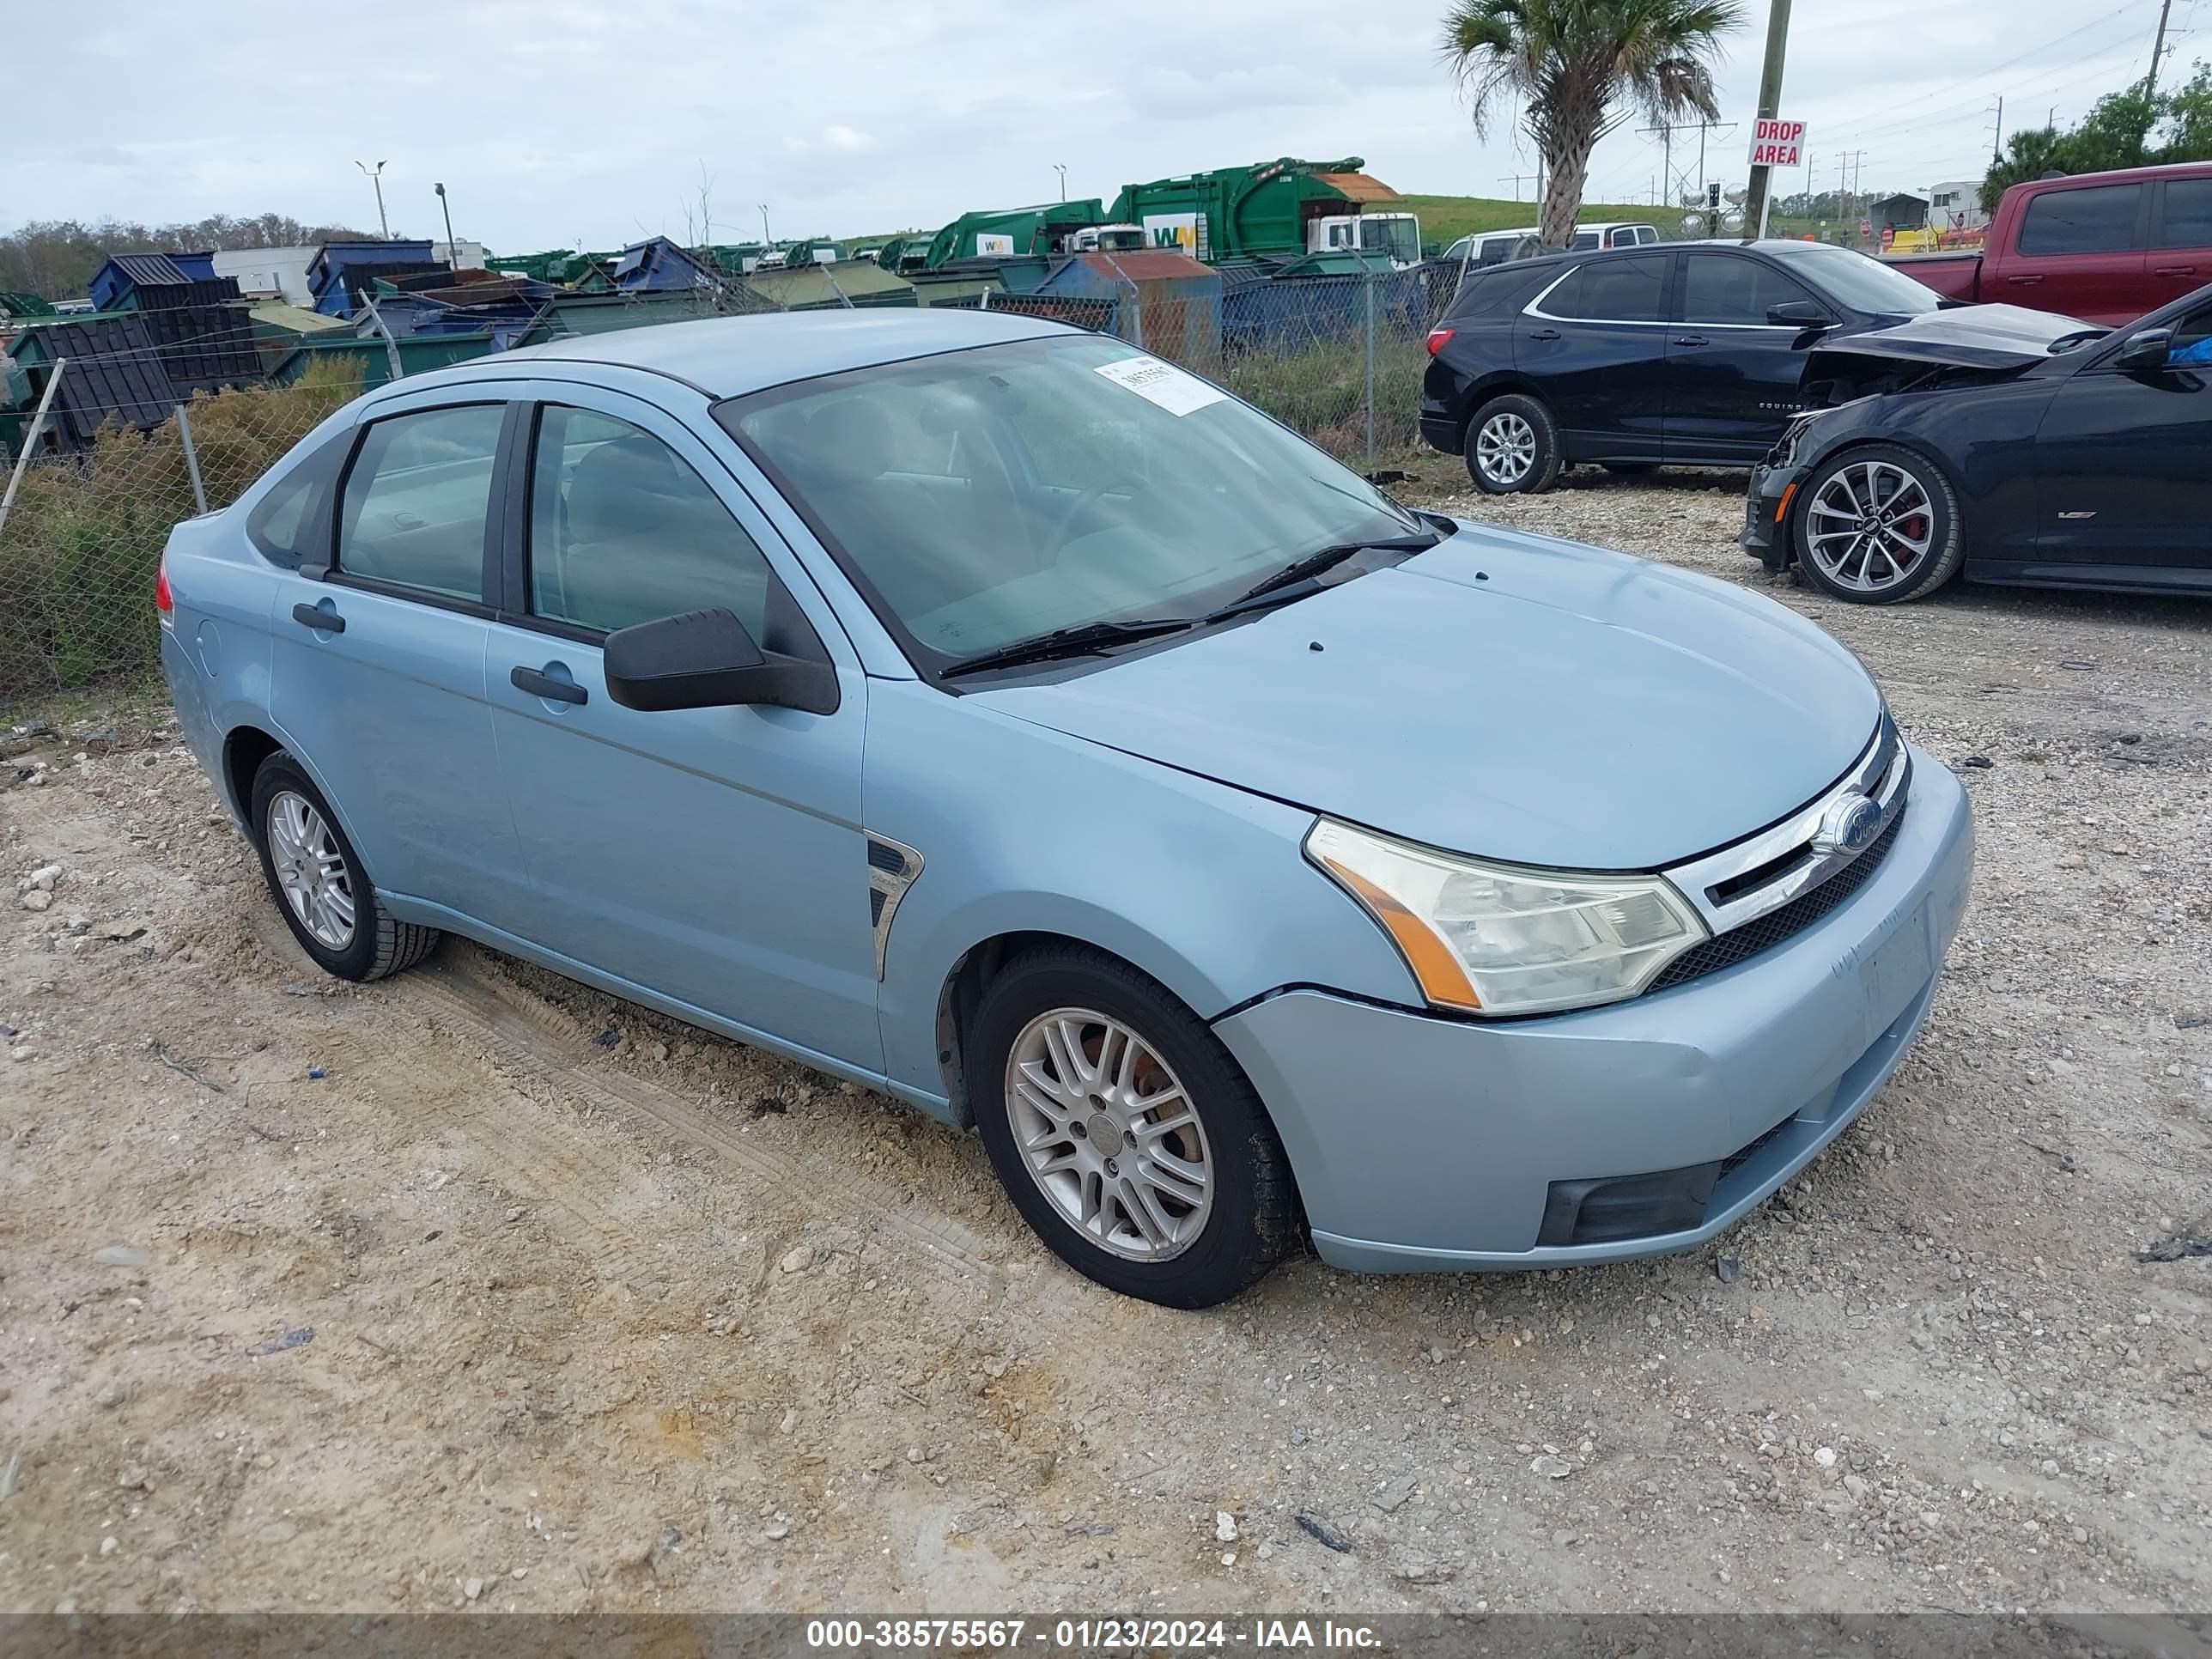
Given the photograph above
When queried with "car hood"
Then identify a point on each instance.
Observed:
(1504, 695)
(1962, 337)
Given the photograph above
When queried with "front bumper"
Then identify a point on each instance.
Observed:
(1422, 1143)
(1766, 510)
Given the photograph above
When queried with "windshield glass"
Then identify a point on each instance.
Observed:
(1400, 238)
(1856, 280)
(984, 497)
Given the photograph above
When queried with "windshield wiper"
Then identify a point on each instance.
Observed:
(1315, 564)
(1082, 639)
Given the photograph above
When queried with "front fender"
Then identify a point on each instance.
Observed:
(1026, 829)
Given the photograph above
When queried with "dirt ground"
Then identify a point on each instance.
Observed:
(477, 1289)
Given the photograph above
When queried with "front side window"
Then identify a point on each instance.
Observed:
(1723, 288)
(986, 497)
(1612, 291)
(416, 500)
(623, 532)
(2098, 219)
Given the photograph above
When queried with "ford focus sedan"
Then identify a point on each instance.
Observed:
(988, 712)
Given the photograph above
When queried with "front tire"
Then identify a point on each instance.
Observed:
(1123, 1131)
(1512, 446)
(1878, 525)
(316, 879)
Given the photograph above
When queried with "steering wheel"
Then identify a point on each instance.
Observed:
(1088, 502)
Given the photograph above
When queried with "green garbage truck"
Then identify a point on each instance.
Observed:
(1283, 209)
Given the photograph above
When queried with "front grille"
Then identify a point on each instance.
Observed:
(1763, 933)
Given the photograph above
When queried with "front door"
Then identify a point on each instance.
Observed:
(1594, 345)
(2121, 468)
(377, 678)
(1733, 380)
(712, 856)
(2080, 253)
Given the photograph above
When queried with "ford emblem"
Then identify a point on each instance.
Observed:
(1850, 825)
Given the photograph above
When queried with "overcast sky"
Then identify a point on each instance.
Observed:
(558, 123)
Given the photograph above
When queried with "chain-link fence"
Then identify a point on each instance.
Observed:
(1339, 358)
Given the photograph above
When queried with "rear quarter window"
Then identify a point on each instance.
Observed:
(290, 525)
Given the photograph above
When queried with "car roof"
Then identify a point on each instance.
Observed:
(730, 356)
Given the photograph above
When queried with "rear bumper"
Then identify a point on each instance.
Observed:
(1440, 430)
(1766, 505)
(1428, 1144)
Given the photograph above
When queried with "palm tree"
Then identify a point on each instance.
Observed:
(1570, 61)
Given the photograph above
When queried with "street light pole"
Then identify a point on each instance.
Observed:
(764, 237)
(453, 252)
(376, 178)
(1060, 167)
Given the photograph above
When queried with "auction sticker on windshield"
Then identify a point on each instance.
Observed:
(1163, 384)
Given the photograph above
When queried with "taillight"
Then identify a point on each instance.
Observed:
(1438, 336)
(164, 604)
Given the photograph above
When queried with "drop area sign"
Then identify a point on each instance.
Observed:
(1776, 143)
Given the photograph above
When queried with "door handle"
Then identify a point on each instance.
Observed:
(1545, 334)
(2175, 270)
(544, 685)
(2023, 282)
(1692, 339)
(322, 621)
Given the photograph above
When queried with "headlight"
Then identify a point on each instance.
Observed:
(1497, 938)
(1785, 452)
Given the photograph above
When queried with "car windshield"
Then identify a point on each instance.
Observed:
(1400, 238)
(986, 497)
(1859, 281)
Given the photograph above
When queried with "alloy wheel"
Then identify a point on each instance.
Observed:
(1870, 527)
(1105, 1129)
(310, 869)
(1505, 448)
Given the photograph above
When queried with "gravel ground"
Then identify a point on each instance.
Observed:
(478, 1289)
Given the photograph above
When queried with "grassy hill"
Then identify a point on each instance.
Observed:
(1446, 218)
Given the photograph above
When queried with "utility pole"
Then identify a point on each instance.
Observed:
(1515, 178)
(452, 254)
(2157, 48)
(1770, 105)
(376, 178)
(1997, 145)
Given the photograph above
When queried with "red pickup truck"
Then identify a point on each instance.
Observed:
(2103, 246)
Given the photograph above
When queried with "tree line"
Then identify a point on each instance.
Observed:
(55, 258)
(2131, 128)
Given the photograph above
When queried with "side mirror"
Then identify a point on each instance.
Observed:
(1799, 313)
(706, 660)
(2147, 349)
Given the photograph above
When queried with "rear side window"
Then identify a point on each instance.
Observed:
(2097, 219)
(1722, 288)
(2187, 220)
(1629, 290)
(623, 532)
(416, 500)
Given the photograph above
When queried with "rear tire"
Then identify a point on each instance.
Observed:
(1157, 1173)
(1512, 446)
(1878, 525)
(317, 880)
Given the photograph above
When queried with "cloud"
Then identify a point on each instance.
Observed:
(555, 120)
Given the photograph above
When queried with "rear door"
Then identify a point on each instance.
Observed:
(1734, 380)
(2180, 240)
(2081, 253)
(377, 676)
(1594, 345)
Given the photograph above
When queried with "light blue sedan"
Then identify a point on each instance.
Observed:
(991, 714)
